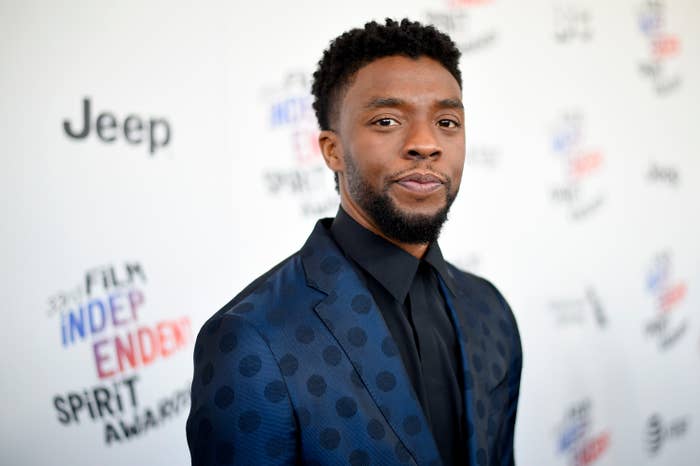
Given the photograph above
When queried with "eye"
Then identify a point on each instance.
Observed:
(385, 122)
(448, 123)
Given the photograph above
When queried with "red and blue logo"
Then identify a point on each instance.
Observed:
(581, 163)
(577, 440)
(103, 315)
(662, 45)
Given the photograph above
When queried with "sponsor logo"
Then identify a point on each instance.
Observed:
(582, 165)
(300, 173)
(103, 316)
(574, 310)
(667, 294)
(457, 20)
(667, 175)
(577, 440)
(658, 432)
(663, 47)
(153, 133)
(572, 23)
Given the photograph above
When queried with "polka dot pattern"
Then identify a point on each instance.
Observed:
(386, 381)
(329, 439)
(401, 453)
(253, 380)
(316, 385)
(250, 365)
(361, 304)
(389, 347)
(304, 334)
(357, 336)
(228, 342)
(275, 391)
(375, 429)
(249, 421)
(224, 397)
(359, 458)
(332, 355)
(346, 407)
(288, 365)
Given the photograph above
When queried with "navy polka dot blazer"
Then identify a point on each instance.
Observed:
(300, 368)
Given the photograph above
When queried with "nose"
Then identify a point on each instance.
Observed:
(421, 141)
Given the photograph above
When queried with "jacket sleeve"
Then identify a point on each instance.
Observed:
(240, 412)
(507, 428)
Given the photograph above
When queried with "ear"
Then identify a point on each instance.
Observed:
(332, 150)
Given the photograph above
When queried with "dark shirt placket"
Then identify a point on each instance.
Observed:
(407, 292)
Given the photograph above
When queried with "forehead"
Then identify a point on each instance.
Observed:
(414, 80)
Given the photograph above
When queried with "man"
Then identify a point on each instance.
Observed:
(366, 347)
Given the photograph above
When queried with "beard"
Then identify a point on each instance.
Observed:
(399, 225)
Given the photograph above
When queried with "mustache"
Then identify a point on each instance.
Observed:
(427, 173)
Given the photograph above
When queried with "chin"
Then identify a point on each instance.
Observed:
(420, 208)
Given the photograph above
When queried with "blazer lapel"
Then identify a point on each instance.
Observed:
(480, 372)
(353, 317)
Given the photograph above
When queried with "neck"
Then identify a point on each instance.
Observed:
(416, 250)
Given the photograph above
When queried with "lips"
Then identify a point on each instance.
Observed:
(420, 182)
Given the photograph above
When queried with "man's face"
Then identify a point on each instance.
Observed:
(400, 130)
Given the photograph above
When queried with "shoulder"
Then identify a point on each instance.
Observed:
(265, 292)
(488, 298)
(237, 384)
(475, 285)
(287, 284)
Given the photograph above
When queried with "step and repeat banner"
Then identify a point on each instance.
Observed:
(158, 156)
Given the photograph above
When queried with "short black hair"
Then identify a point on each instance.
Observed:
(358, 47)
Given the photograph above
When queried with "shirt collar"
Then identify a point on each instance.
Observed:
(433, 256)
(387, 263)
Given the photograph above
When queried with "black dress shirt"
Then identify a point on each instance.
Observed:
(407, 292)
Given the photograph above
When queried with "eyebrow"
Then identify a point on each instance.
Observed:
(450, 103)
(380, 102)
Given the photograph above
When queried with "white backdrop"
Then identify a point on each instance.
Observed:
(198, 171)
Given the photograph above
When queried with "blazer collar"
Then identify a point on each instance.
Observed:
(350, 313)
(482, 370)
(349, 306)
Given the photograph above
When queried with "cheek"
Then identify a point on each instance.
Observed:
(455, 155)
(457, 179)
(372, 153)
